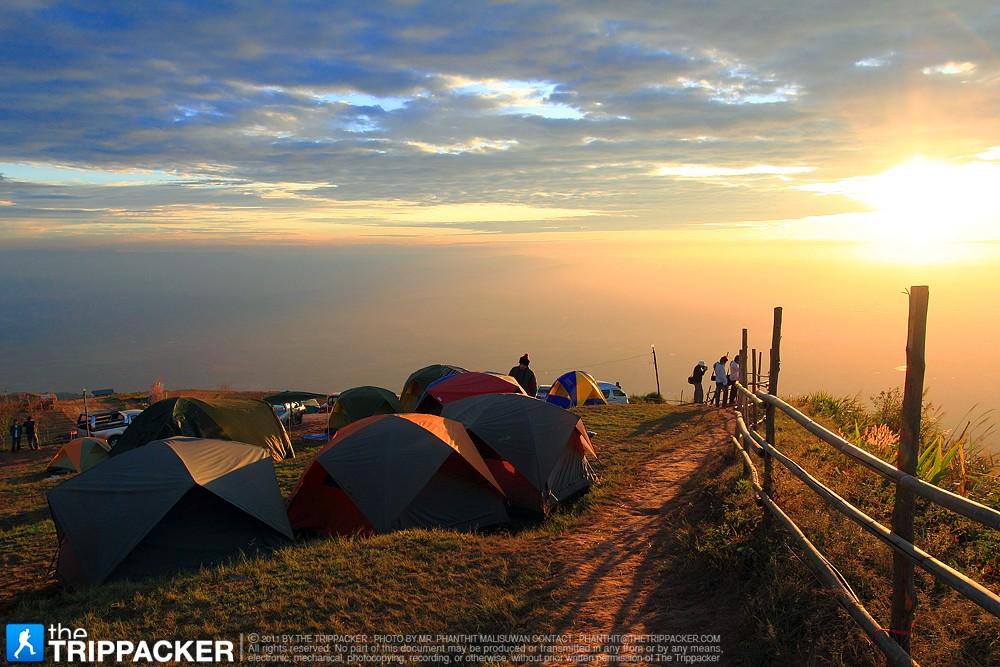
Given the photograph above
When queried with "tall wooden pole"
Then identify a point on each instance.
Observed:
(743, 377)
(904, 593)
(656, 370)
(754, 377)
(772, 388)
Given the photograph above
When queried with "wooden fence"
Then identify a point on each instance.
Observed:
(755, 406)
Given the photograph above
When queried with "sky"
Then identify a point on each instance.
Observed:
(280, 122)
(318, 195)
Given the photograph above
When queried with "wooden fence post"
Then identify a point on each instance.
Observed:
(772, 388)
(904, 593)
(741, 399)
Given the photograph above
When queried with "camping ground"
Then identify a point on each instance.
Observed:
(669, 541)
(564, 575)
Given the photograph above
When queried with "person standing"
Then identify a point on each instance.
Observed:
(28, 428)
(524, 375)
(719, 375)
(15, 435)
(697, 375)
(734, 377)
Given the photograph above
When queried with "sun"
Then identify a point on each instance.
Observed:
(925, 202)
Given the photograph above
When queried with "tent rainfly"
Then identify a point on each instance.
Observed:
(456, 387)
(575, 388)
(536, 451)
(237, 419)
(360, 402)
(415, 385)
(79, 455)
(390, 472)
(166, 506)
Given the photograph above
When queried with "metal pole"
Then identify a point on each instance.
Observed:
(656, 370)
(904, 593)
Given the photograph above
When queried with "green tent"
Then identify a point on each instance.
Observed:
(418, 381)
(238, 419)
(361, 402)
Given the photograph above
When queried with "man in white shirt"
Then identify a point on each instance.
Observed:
(734, 377)
(719, 375)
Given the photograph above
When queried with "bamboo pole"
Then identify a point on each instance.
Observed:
(904, 592)
(967, 508)
(829, 577)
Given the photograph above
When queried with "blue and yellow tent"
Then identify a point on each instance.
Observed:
(575, 388)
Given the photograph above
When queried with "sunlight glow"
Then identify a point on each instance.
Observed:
(922, 205)
(929, 201)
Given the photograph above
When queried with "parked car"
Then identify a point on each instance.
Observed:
(107, 424)
(613, 393)
(286, 412)
(543, 391)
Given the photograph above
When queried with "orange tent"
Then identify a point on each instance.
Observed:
(390, 472)
(79, 455)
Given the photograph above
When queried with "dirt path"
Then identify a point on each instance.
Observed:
(624, 572)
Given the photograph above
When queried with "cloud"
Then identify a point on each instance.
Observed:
(703, 171)
(624, 110)
(950, 68)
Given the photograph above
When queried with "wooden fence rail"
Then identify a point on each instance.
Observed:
(828, 576)
(954, 502)
(895, 641)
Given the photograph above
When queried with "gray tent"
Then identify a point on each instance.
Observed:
(536, 451)
(169, 505)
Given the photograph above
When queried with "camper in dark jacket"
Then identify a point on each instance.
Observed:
(28, 429)
(524, 375)
(696, 375)
(15, 436)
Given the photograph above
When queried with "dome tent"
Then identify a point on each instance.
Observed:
(536, 451)
(457, 387)
(79, 454)
(415, 385)
(360, 402)
(391, 472)
(237, 419)
(168, 505)
(575, 388)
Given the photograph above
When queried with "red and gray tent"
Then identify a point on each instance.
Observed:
(456, 387)
(413, 389)
(390, 472)
(168, 505)
(536, 451)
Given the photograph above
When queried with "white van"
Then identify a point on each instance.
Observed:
(613, 394)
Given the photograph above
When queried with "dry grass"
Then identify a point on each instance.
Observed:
(790, 620)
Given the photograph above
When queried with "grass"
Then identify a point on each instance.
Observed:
(439, 582)
(790, 621)
(411, 581)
